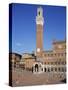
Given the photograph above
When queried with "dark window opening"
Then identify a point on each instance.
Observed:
(39, 12)
(59, 69)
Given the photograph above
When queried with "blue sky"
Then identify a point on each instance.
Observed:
(24, 26)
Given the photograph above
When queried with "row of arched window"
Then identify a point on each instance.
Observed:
(56, 63)
(54, 54)
(55, 69)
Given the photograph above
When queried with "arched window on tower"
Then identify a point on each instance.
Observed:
(39, 13)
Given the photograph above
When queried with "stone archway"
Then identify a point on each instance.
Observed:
(45, 69)
(36, 68)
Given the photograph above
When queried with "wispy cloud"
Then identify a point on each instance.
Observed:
(18, 44)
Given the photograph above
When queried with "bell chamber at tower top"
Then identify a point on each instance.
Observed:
(39, 17)
(40, 12)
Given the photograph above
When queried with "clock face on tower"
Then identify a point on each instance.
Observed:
(38, 49)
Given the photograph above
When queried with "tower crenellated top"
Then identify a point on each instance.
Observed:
(39, 17)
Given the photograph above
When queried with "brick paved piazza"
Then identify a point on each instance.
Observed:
(26, 78)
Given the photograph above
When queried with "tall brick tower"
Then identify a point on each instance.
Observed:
(39, 32)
